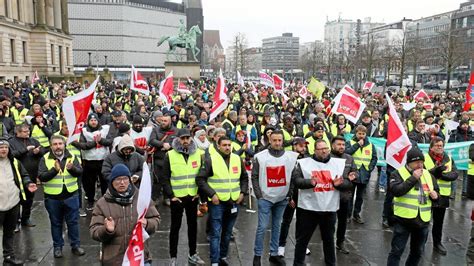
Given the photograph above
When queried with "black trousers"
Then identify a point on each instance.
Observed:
(342, 214)
(157, 180)
(306, 223)
(8, 220)
(189, 206)
(285, 225)
(438, 220)
(26, 206)
(358, 190)
(92, 174)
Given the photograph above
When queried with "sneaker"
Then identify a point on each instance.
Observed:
(308, 252)
(382, 190)
(11, 260)
(358, 220)
(17, 228)
(342, 248)
(281, 251)
(78, 251)
(277, 260)
(195, 259)
(58, 252)
(438, 247)
(385, 224)
(82, 212)
(224, 262)
(28, 223)
(90, 206)
(173, 262)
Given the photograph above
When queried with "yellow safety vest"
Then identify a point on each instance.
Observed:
(362, 156)
(73, 150)
(311, 141)
(19, 117)
(444, 186)
(236, 147)
(408, 206)
(238, 128)
(287, 137)
(410, 125)
(183, 174)
(334, 130)
(17, 165)
(226, 180)
(39, 135)
(63, 178)
(227, 121)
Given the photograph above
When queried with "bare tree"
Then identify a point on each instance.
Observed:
(312, 59)
(369, 54)
(239, 43)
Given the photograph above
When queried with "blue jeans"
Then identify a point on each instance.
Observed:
(222, 222)
(401, 233)
(382, 176)
(265, 210)
(60, 210)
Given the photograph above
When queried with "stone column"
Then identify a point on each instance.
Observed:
(57, 15)
(49, 13)
(2, 8)
(40, 13)
(64, 17)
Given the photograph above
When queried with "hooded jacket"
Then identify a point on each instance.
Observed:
(125, 216)
(134, 161)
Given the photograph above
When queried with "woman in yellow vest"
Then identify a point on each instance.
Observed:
(341, 126)
(442, 168)
(40, 131)
(413, 189)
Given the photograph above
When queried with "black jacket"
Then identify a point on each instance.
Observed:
(437, 173)
(28, 159)
(460, 135)
(349, 167)
(419, 137)
(158, 137)
(206, 171)
(134, 163)
(398, 187)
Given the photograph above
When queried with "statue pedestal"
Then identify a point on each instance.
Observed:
(182, 70)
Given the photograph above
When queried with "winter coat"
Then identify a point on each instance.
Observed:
(419, 137)
(125, 216)
(438, 174)
(349, 167)
(28, 159)
(158, 137)
(134, 161)
(364, 174)
(460, 135)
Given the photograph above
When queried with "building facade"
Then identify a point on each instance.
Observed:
(213, 53)
(34, 36)
(280, 53)
(126, 32)
(253, 63)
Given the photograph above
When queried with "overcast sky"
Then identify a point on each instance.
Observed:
(260, 19)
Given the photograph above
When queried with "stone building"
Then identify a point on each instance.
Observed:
(34, 36)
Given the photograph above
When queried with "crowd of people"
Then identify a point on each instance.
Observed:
(262, 145)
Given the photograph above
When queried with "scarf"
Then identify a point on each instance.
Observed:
(123, 199)
(438, 159)
(202, 144)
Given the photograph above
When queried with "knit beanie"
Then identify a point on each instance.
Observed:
(119, 170)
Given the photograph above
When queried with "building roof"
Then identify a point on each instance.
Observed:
(211, 38)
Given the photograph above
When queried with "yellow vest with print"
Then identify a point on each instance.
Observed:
(311, 141)
(39, 135)
(63, 178)
(362, 156)
(73, 150)
(334, 130)
(408, 206)
(19, 117)
(444, 186)
(183, 174)
(226, 180)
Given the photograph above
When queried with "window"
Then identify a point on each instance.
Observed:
(52, 54)
(24, 52)
(12, 49)
(18, 8)
(7, 13)
(67, 56)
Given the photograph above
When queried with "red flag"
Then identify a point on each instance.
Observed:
(182, 88)
(76, 109)
(469, 93)
(348, 103)
(368, 86)
(398, 143)
(304, 92)
(35, 77)
(220, 98)
(265, 79)
(420, 95)
(138, 83)
(167, 88)
(278, 82)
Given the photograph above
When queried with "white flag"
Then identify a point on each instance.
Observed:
(240, 80)
(220, 98)
(398, 143)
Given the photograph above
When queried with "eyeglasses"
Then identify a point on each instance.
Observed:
(323, 149)
(124, 179)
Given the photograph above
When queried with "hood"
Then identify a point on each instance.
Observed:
(125, 142)
(179, 148)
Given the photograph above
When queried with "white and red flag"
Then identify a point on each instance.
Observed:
(135, 253)
(35, 77)
(254, 89)
(182, 88)
(304, 92)
(398, 143)
(348, 103)
(190, 81)
(138, 83)
(240, 80)
(76, 109)
(278, 82)
(221, 100)
(166, 89)
(420, 95)
(368, 86)
(265, 79)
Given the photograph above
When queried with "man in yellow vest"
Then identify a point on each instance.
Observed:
(442, 168)
(19, 112)
(40, 130)
(224, 180)
(12, 188)
(413, 189)
(180, 167)
(318, 133)
(59, 171)
(365, 158)
(341, 126)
